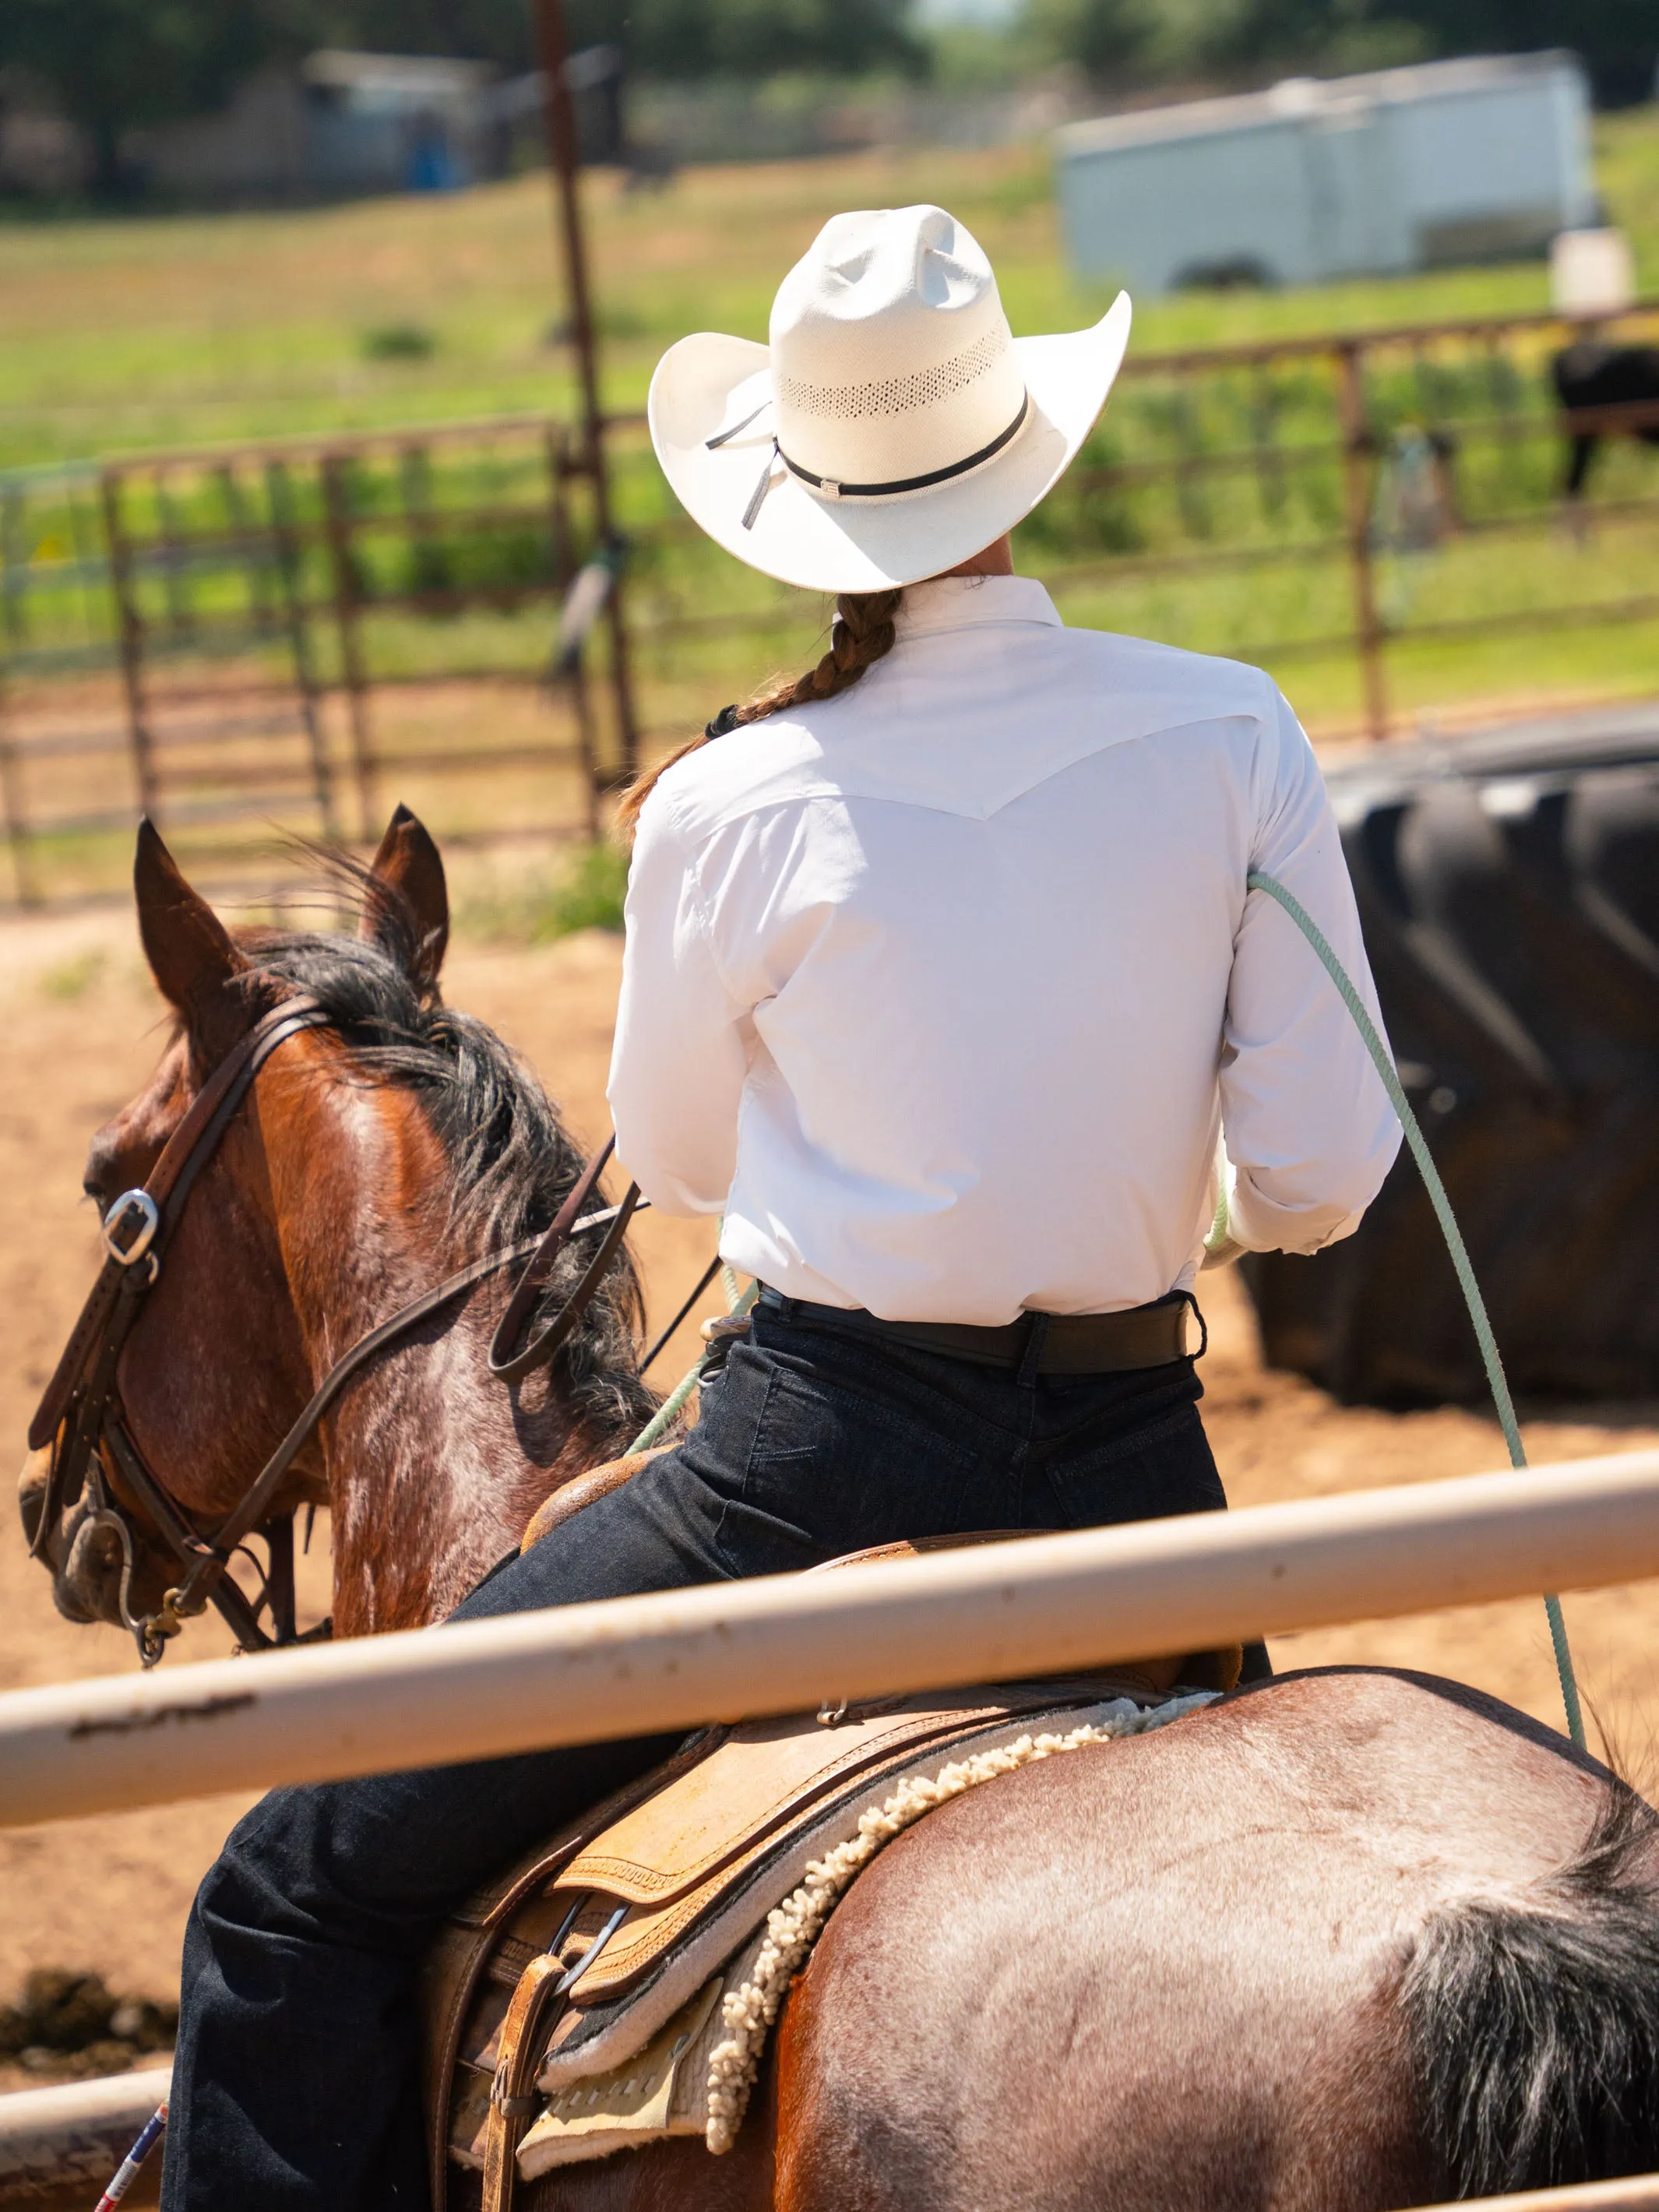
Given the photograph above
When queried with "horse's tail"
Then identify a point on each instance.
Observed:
(1533, 2023)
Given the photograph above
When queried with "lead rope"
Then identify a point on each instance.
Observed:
(1496, 1379)
(737, 1302)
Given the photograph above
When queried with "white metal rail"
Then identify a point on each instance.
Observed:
(641, 1665)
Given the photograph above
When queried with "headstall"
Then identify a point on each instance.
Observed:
(79, 1418)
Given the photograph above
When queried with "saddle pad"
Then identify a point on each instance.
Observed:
(597, 2048)
(603, 2041)
(613, 2025)
(673, 1858)
(753, 1780)
(686, 2078)
(661, 2091)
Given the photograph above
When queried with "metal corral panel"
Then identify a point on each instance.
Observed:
(1401, 169)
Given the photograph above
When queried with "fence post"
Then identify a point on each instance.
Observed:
(336, 502)
(130, 626)
(1357, 475)
(564, 565)
(560, 114)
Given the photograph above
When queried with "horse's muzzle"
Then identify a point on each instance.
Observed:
(84, 1552)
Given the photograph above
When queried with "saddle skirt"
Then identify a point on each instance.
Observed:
(572, 2008)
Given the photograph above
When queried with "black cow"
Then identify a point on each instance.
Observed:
(1591, 375)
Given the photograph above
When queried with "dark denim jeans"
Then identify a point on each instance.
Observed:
(294, 2085)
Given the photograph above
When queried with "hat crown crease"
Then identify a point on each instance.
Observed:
(891, 354)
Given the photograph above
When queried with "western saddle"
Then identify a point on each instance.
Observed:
(571, 2008)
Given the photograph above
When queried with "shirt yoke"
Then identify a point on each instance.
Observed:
(943, 723)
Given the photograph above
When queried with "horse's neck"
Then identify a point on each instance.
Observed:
(433, 1468)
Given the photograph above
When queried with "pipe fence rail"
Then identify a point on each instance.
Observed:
(785, 1644)
(300, 630)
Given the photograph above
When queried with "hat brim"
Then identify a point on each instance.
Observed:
(708, 382)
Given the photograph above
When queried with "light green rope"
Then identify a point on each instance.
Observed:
(1460, 1259)
(665, 1415)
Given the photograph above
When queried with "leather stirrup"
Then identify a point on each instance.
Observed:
(513, 2097)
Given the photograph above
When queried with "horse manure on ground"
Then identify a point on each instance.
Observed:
(68, 2023)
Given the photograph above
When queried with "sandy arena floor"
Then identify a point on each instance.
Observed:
(81, 1028)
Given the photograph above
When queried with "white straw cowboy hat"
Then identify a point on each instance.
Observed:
(894, 426)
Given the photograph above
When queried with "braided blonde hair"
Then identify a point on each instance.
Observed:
(863, 631)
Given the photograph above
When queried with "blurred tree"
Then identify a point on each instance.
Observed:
(113, 63)
(477, 30)
(661, 38)
(1154, 41)
(1617, 40)
(1111, 40)
(753, 38)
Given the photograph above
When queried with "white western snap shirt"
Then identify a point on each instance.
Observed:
(940, 990)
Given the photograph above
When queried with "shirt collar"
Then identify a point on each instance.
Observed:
(973, 603)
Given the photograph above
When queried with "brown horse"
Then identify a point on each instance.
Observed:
(1349, 1940)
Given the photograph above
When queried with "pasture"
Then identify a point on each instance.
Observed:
(188, 330)
(164, 330)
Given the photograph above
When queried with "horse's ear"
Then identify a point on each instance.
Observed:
(409, 865)
(188, 948)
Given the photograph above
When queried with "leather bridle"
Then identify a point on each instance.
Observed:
(81, 1418)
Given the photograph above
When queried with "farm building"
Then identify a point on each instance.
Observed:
(339, 124)
(1401, 169)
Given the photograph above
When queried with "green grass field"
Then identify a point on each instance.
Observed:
(174, 330)
(163, 330)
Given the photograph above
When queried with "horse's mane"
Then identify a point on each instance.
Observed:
(510, 1161)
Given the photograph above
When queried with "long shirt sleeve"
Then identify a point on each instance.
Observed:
(681, 1045)
(1306, 1121)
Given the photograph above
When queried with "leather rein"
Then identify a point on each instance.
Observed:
(80, 1417)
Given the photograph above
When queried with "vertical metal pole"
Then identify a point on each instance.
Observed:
(563, 567)
(560, 114)
(336, 502)
(131, 627)
(1357, 483)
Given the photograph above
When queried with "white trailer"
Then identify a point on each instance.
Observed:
(1398, 170)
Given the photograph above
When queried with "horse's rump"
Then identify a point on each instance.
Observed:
(1234, 1964)
(1204, 1971)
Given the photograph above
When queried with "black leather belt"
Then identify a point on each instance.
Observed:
(1066, 1344)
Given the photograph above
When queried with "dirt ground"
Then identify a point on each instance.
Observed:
(79, 1024)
